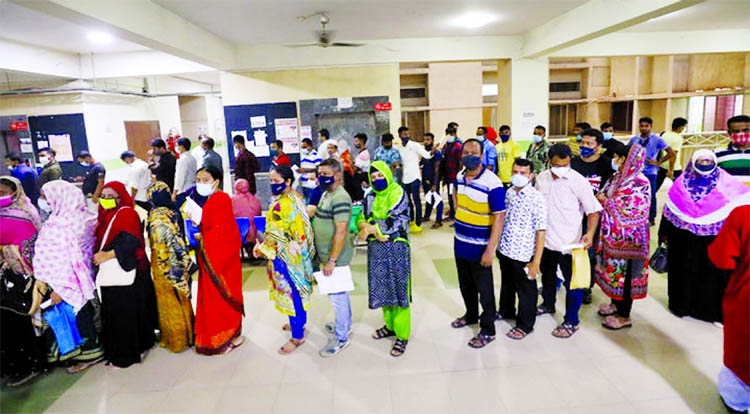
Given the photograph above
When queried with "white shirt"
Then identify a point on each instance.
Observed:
(198, 154)
(525, 214)
(309, 162)
(139, 177)
(323, 150)
(567, 200)
(184, 173)
(363, 160)
(411, 154)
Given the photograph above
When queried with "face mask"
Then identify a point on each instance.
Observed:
(450, 138)
(519, 181)
(325, 182)
(504, 138)
(480, 138)
(428, 147)
(705, 169)
(537, 139)
(108, 203)
(380, 184)
(204, 189)
(579, 138)
(587, 152)
(157, 157)
(11, 167)
(44, 205)
(404, 141)
(615, 165)
(741, 139)
(608, 135)
(561, 172)
(43, 160)
(84, 164)
(5, 201)
(277, 189)
(273, 152)
(471, 162)
(305, 151)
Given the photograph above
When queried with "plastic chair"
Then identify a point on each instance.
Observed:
(260, 224)
(244, 224)
(190, 231)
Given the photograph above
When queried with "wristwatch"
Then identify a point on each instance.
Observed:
(332, 260)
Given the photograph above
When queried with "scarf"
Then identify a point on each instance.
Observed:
(65, 245)
(19, 222)
(127, 221)
(624, 225)
(384, 201)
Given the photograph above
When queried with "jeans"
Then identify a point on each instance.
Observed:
(515, 281)
(299, 320)
(573, 298)
(342, 312)
(652, 210)
(476, 280)
(427, 186)
(415, 203)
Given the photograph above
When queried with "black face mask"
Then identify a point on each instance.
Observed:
(428, 147)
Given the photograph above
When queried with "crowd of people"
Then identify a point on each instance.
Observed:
(80, 288)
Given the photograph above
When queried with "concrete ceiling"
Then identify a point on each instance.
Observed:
(709, 15)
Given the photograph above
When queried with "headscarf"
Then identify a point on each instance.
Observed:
(127, 220)
(20, 220)
(159, 195)
(245, 204)
(65, 245)
(387, 199)
(624, 228)
(700, 203)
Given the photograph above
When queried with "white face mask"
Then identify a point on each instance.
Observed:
(44, 205)
(44, 160)
(204, 189)
(519, 181)
(561, 172)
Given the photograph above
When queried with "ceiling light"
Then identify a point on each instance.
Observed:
(473, 20)
(100, 38)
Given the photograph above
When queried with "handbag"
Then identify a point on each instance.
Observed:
(658, 261)
(581, 278)
(110, 272)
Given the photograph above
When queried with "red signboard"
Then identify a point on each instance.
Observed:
(383, 106)
(19, 126)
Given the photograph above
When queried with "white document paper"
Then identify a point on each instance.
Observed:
(339, 281)
(27, 148)
(345, 103)
(260, 150)
(258, 121)
(286, 128)
(61, 144)
(193, 210)
(433, 198)
(260, 137)
(305, 132)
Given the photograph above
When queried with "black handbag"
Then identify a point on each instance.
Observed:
(658, 261)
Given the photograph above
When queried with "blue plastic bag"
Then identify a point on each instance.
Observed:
(62, 320)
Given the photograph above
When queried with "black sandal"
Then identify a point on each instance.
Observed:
(382, 333)
(517, 334)
(399, 347)
(460, 323)
(481, 340)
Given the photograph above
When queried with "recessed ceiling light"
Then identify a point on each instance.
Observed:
(473, 20)
(100, 38)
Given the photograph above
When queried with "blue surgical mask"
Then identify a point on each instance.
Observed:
(471, 162)
(84, 164)
(273, 152)
(277, 189)
(579, 138)
(587, 152)
(450, 138)
(537, 139)
(480, 138)
(615, 165)
(504, 138)
(404, 141)
(380, 184)
(325, 182)
(705, 169)
(608, 135)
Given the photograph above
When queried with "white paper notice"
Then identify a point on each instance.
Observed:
(305, 132)
(27, 148)
(345, 103)
(259, 136)
(287, 132)
(42, 144)
(61, 144)
(258, 121)
(339, 281)
(193, 211)
(260, 151)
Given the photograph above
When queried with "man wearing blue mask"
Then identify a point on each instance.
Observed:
(575, 142)
(597, 169)
(653, 144)
(610, 144)
(93, 182)
(537, 152)
(507, 152)
(489, 152)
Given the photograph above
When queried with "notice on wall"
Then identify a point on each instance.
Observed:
(345, 103)
(260, 151)
(528, 122)
(61, 144)
(288, 133)
(258, 121)
(42, 144)
(260, 137)
(305, 132)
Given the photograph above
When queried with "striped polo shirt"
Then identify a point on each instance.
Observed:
(477, 201)
(735, 162)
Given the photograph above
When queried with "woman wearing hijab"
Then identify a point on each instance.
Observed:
(246, 205)
(171, 268)
(384, 223)
(347, 164)
(289, 248)
(622, 265)
(129, 315)
(22, 353)
(64, 251)
(218, 316)
(699, 202)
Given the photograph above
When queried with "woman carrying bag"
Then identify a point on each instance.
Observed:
(129, 315)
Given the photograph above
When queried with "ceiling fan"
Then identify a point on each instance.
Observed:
(324, 36)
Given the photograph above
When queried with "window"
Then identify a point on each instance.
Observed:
(710, 113)
(565, 87)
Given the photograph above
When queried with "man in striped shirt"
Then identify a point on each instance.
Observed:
(735, 159)
(309, 162)
(480, 210)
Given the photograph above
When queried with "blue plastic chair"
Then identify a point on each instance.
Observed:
(260, 223)
(190, 231)
(244, 224)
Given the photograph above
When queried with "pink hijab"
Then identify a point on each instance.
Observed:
(245, 204)
(65, 245)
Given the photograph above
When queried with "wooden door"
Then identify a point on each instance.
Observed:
(139, 135)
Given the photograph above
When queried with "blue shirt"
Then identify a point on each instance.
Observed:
(28, 178)
(428, 168)
(489, 155)
(388, 156)
(653, 145)
(477, 202)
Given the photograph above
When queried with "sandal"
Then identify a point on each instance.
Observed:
(460, 323)
(290, 346)
(565, 331)
(607, 310)
(383, 332)
(399, 347)
(84, 365)
(517, 333)
(615, 323)
(481, 340)
(541, 310)
(234, 344)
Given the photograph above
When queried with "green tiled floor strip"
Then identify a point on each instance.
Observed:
(39, 395)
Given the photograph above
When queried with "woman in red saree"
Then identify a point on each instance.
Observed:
(218, 316)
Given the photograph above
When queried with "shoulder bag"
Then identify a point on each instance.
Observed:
(110, 272)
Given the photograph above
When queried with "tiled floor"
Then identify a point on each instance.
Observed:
(662, 365)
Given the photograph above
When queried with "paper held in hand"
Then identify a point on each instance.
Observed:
(193, 210)
(339, 281)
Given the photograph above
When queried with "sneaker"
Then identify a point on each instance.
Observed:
(331, 329)
(587, 297)
(413, 228)
(436, 225)
(333, 348)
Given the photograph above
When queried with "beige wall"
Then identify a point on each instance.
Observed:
(725, 70)
(295, 85)
(455, 94)
(622, 76)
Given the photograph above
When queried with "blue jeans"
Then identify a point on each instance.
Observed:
(415, 203)
(299, 320)
(573, 298)
(342, 311)
(652, 210)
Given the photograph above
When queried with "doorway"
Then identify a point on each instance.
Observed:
(139, 135)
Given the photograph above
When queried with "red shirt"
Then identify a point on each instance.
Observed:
(282, 159)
